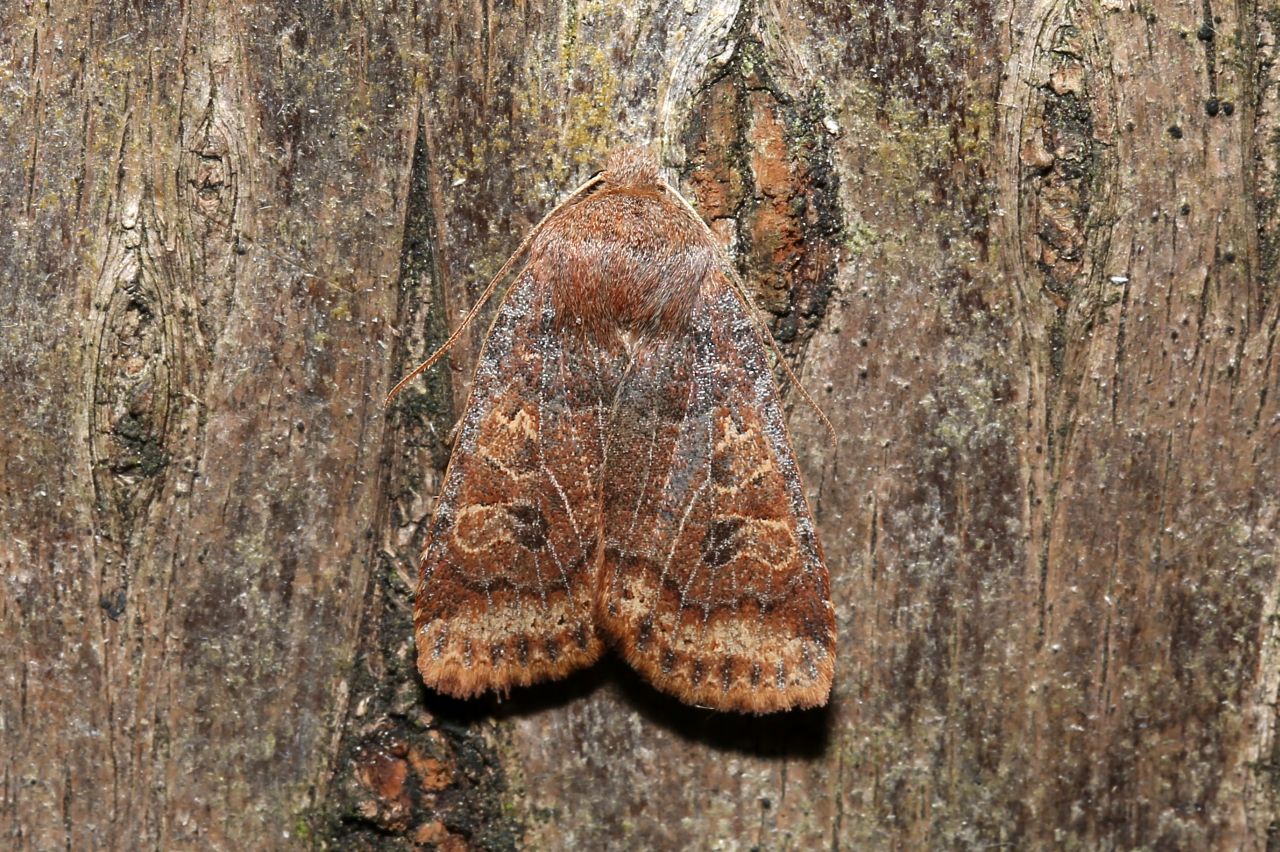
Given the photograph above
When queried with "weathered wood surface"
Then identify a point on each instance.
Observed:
(1023, 253)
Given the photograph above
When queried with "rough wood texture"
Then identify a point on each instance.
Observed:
(1024, 253)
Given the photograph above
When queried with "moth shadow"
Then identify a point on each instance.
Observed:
(797, 733)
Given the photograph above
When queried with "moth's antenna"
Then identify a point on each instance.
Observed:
(777, 352)
(786, 368)
(488, 291)
(755, 315)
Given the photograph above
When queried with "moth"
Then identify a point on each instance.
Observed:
(623, 477)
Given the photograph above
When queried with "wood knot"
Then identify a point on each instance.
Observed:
(210, 174)
(132, 374)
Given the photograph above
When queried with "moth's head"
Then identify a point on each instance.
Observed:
(631, 168)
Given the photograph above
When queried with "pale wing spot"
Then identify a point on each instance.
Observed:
(477, 526)
(522, 423)
(732, 443)
(771, 524)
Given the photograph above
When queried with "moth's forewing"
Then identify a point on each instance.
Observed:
(713, 584)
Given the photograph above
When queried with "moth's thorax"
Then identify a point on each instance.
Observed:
(631, 167)
(624, 260)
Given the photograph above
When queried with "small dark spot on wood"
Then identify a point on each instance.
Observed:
(1186, 209)
(1211, 106)
(1228, 107)
(114, 604)
(1175, 131)
(1205, 33)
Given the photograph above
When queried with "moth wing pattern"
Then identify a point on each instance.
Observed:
(713, 584)
(507, 575)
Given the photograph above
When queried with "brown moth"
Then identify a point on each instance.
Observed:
(623, 476)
